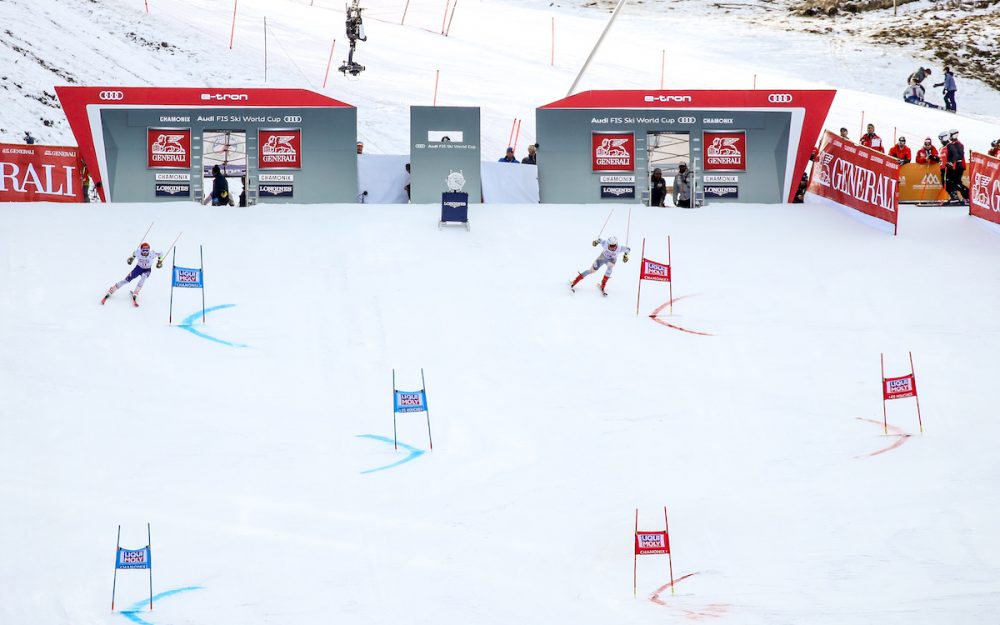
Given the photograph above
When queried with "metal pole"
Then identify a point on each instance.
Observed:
(173, 270)
(427, 411)
(885, 418)
(149, 554)
(913, 375)
(394, 445)
(114, 582)
(201, 252)
(597, 46)
(265, 48)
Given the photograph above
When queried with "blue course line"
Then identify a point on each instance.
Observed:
(414, 452)
(188, 324)
(132, 614)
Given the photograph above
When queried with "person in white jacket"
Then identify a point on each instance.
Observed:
(608, 257)
(143, 258)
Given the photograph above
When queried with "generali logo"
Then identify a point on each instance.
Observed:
(280, 149)
(725, 151)
(667, 98)
(225, 97)
(169, 147)
(984, 194)
(613, 151)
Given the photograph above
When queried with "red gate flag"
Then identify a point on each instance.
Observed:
(652, 270)
(857, 177)
(984, 196)
(653, 543)
(899, 388)
(40, 173)
(657, 272)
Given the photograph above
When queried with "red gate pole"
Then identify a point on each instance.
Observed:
(885, 419)
(634, 556)
(916, 395)
(232, 31)
(553, 61)
(670, 556)
(663, 64)
(328, 61)
(670, 263)
(437, 74)
(447, 3)
(642, 261)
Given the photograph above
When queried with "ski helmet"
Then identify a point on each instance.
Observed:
(144, 246)
(612, 242)
(953, 132)
(943, 137)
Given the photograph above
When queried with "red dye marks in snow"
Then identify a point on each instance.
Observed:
(901, 437)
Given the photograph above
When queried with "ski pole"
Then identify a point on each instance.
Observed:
(147, 232)
(628, 225)
(605, 223)
(174, 243)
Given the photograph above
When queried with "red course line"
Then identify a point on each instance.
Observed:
(655, 597)
(659, 309)
(898, 432)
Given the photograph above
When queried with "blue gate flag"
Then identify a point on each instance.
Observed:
(410, 401)
(133, 558)
(188, 278)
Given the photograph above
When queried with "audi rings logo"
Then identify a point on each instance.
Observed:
(779, 98)
(686, 120)
(293, 119)
(111, 95)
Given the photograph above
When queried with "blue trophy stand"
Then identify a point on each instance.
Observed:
(454, 208)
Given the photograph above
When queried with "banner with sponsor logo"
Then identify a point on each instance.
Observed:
(613, 151)
(188, 278)
(168, 147)
(275, 190)
(410, 401)
(173, 189)
(984, 193)
(899, 388)
(279, 148)
(652, 543)
(134, 558)
(726, 150)
(617, 192)
(655, 271)
(922, 183)
(857, 177)
(40, 173)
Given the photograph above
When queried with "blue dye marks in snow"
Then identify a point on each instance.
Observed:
(188, 324)
(414, 452)
(132, 613)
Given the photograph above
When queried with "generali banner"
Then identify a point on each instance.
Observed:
(39, 173)
(922, 183)
(168, 147)
(856, 177)
(984, 194)
(280, 149)
(613, 151)
(726, 150)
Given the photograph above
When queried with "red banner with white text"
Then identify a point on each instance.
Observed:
(856, 177)
(984, 192)
(40, 173)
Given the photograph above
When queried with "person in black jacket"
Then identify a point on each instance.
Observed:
(955, 169)
(220, 189)
(532, 157)
(657, 188)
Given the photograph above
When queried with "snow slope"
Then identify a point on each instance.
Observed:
(553, 414)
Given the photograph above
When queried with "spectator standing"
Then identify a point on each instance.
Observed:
(843, 135)
(949, 90)
(361, 147)
(28, 138)
(682, 187)
(927, 155)
(956, 167)
(900, 152)
(220, 189)
(872, 140)
(85, 181)
(406, 182)
(509, 157)
(995, 149)
(532, 157)
(657, 188)
(943, 158)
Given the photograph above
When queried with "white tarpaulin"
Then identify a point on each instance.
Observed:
(384, 177)
(507, 183)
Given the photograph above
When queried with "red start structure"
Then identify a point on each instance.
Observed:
(899, 388)
(652, 543)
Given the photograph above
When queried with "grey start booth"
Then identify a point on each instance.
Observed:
(742, 146)
(278, 145)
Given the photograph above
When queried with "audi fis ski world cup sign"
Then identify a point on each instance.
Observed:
(168, 147)
(613, 151)
(726, 151)
(280, 148)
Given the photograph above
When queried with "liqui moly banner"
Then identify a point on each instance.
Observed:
(40, 173)
(168, 147)
(280, 149)
(726, 151)
(188, 278)
(415, 401)
(652, 270)
(856, 177)
(133, 558)
(651, 543)
(613, 151)
(984, 193)
(899, 388)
